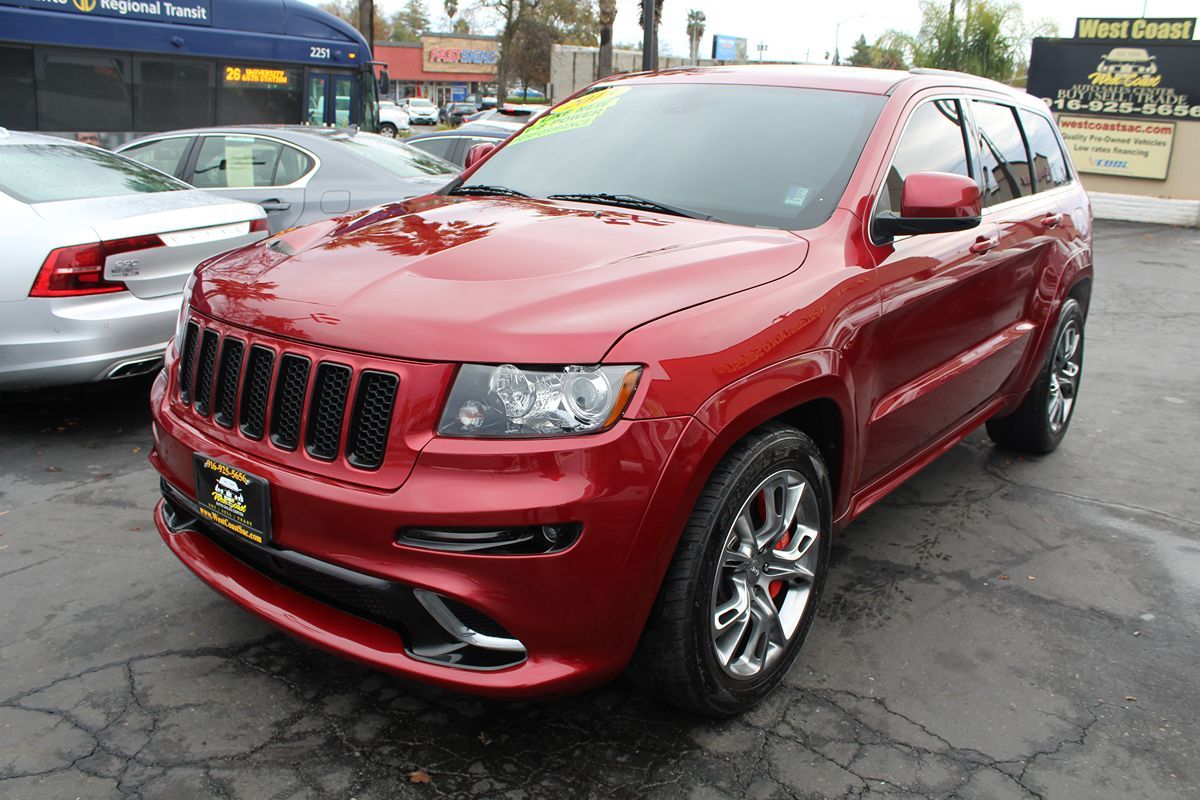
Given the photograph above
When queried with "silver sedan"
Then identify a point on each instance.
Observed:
(299, 174)
(96, 250)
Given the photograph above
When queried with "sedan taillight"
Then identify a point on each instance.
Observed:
(257, 225)
(79, 269)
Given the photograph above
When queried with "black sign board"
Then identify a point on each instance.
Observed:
(1158, 29)
(1148, 80)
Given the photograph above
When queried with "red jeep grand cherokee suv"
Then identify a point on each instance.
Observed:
(605, 399)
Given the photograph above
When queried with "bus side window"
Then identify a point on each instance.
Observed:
(83, 92)
(17, 106)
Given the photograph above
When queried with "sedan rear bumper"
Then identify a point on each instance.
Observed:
(58, 341)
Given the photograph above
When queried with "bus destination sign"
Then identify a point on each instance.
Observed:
(256, 75)
(184, 12)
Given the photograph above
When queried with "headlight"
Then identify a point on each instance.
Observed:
(184, 310)
(513, 401)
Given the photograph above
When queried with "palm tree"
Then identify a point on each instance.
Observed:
(653, 34)
(607, 16)
(695, 31)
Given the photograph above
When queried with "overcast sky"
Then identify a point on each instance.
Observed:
(795, 30)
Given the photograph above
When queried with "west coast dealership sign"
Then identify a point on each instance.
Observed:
(1129, 78)
(186, 12)
(1125, 147)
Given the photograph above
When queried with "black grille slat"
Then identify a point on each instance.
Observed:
(476, 620)
(290, 386)
(326, 411)
(372, 419)
(228, 373)
(206, 366)
(255, 388)
(186, 362)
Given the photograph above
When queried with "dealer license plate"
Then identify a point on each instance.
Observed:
(233, 499)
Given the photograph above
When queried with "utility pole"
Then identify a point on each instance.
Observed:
(649, 40)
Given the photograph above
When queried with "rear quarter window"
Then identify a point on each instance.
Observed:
(1003, 158)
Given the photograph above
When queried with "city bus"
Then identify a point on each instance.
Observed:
(105, 71)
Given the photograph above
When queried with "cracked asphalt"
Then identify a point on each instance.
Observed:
(998, 628)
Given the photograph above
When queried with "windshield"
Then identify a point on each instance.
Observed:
(688, 145)
(397, 158)
(45, 173)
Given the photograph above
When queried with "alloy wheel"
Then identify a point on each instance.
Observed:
(1064, 376)
(765, 575)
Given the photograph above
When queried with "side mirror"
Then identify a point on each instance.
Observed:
(933, 202)
(478, 152)
(385, 83)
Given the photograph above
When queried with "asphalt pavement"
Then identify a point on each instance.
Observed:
(1000, 627)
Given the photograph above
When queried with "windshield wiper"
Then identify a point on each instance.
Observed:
(633, 201)
(483, 188)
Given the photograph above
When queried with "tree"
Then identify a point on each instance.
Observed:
(695, 32)
(991, 40)
(607, 17)
(541, 27)
(654, 32)
(348, 10)
(410, 22)
(862, 54)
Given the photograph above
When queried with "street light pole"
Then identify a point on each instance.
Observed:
(837, 32)
(762, 48)
(648, 38)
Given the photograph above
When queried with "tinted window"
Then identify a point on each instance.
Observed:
(1003, 160)
(235, 162)
(933, 141)
(164, 155)
(1049, 163)
(42, 173)
(790, 173)
(172, 94)
(78, 92)
(439, 146)
(397, 158)
(247, 95)
(17, 108)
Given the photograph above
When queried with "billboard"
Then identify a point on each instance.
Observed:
(1126, 148)
(1179, 29)
(728, 48)
(1126, 78)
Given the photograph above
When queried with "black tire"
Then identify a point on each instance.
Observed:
(675, 659)
(1029, 429)
(388, 129)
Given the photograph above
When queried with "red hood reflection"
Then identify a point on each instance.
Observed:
(487, 279)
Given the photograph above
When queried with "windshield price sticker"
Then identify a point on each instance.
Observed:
(573, 114)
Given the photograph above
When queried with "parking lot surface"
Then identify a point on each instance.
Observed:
(1000, 627)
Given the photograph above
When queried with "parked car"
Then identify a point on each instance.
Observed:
(604, 401)
(509, 118)
(96, 251)
(454, 113)
(393, 120)
(299, 174)
(453, 145)
(421, 111)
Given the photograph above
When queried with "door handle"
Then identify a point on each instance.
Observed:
(1051, 220)
(984, 244)
(274, 205)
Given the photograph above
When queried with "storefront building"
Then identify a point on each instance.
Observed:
(442, 67)
(1126, 93)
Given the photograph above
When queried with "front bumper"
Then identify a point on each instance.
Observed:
(59, 341)
(578, 613)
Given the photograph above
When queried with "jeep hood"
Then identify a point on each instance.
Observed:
(487, 279)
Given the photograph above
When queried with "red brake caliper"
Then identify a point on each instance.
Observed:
(775, 587)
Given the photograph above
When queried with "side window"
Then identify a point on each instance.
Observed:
(235, 162)
(83, 92)
(164, 155)
(933, 141)
(292, 166)
(1049, 163)
(172, 94)
(16, 88)
(439, 146)
(1004, 160)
